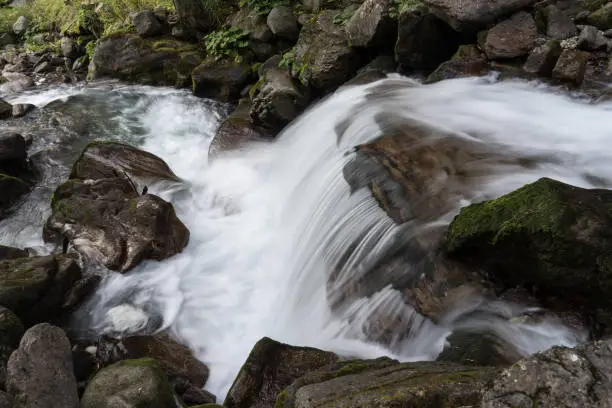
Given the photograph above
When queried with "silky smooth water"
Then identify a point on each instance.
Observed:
(268, 223)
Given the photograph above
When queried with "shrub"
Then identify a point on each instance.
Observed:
(263, 6)
(226, 43)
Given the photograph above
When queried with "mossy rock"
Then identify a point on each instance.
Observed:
(548, 235)
(602, 18)
(139, 383)
(164, 62)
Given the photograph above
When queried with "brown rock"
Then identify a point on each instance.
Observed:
(511, 38)
(571, 66)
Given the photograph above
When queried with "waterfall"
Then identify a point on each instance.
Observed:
(269, 224)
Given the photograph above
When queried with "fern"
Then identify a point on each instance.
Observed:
(226, 43)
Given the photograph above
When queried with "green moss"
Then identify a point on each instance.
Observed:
(226, 43)
(602, 18)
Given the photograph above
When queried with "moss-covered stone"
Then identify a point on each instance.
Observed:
(139, 383)
(547, 235)
(131, 58)
(602, 18)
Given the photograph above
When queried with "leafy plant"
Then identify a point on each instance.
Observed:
(399, 6)
(263, 6)
(287, 59)
(226, 43)
(344, 16)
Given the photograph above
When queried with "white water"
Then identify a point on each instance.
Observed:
(266, 224)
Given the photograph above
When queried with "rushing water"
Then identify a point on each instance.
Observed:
(267, 224)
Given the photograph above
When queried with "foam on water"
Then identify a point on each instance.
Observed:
(268, 224)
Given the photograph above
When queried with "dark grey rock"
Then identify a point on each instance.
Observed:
(591, 39)
(283, 23)
(221, 80)
(559, 26)
(543, 59)
(147, 24)
(371, 25)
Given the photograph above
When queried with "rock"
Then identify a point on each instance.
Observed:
(6, 109)
(130, 58)
(107, 221)
(12, 148)
(22, 109)
(424, 41)
(322, 58)
(147, 24)
(467, 61)
(476, 14)
(278, 100)
(35, 288)
(548, 236)
(236, 131)
(272, 62)
(252, 22)
(20, 26)
(44, 66)
(40, 372)
(571, 66)
(69, 48)
(270, 367)
(220, 80)
(572, 377)
(261, 50)
(371, 25)
(591, 39)
(131, 383)
(105, 159)
(12, 189)
(543, 59)
(478, 348)
(559, 26)
(6, 401)
(283, 23)
(195, 396)
(386, 383)
(511, 38)
(12, 253)
(11, 331)
(17, 82)
(7, 39)
(602, 18)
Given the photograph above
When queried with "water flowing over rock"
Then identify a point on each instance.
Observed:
(474, 14)
(547, 235)
(150, 62)
(270, 368)
(560, 377)
(136, 383)
(40, 372)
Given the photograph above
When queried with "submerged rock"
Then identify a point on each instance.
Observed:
(40, 372)
(132, 383)
(578, 377)
(131, 58)
(475, 14)
(270, 368)
(548, 236)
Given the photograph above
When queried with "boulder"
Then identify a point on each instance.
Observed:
(35, 288)
(22, 109)
(107, 221)
(17, 82)
(480, 348)
(132, 384)
(147, 24)
(270, 367)
(571, 66)
(105, 159)
(371, 25)
(252, 22)
(20, 26)
(467, 61)
(131, 58)
(12, 189)
(6, 109)
(12, 253)
(386, 383)
(559, 377)
(12, 148)
(543, 59)
(475, 14)
(283, 23)
(424, 41)
(11, 331)
(511, 38)
(591, 39)
(547, 236)
(70, 48)
(323, 58)
(236, 131)
(278, 100)
(220, 80)
(559, 25)
(602, 18)
(40, 372)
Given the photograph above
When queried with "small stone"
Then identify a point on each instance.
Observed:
(44, 66)
(543, 59)
(571, 66)
(511, 38)
(22, 109)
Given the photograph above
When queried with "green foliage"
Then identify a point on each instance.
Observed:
(344, 16)
(226, 43)
(8, 16)
(287, 59)
(90, 48)
(263, 6)
(400, 6)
